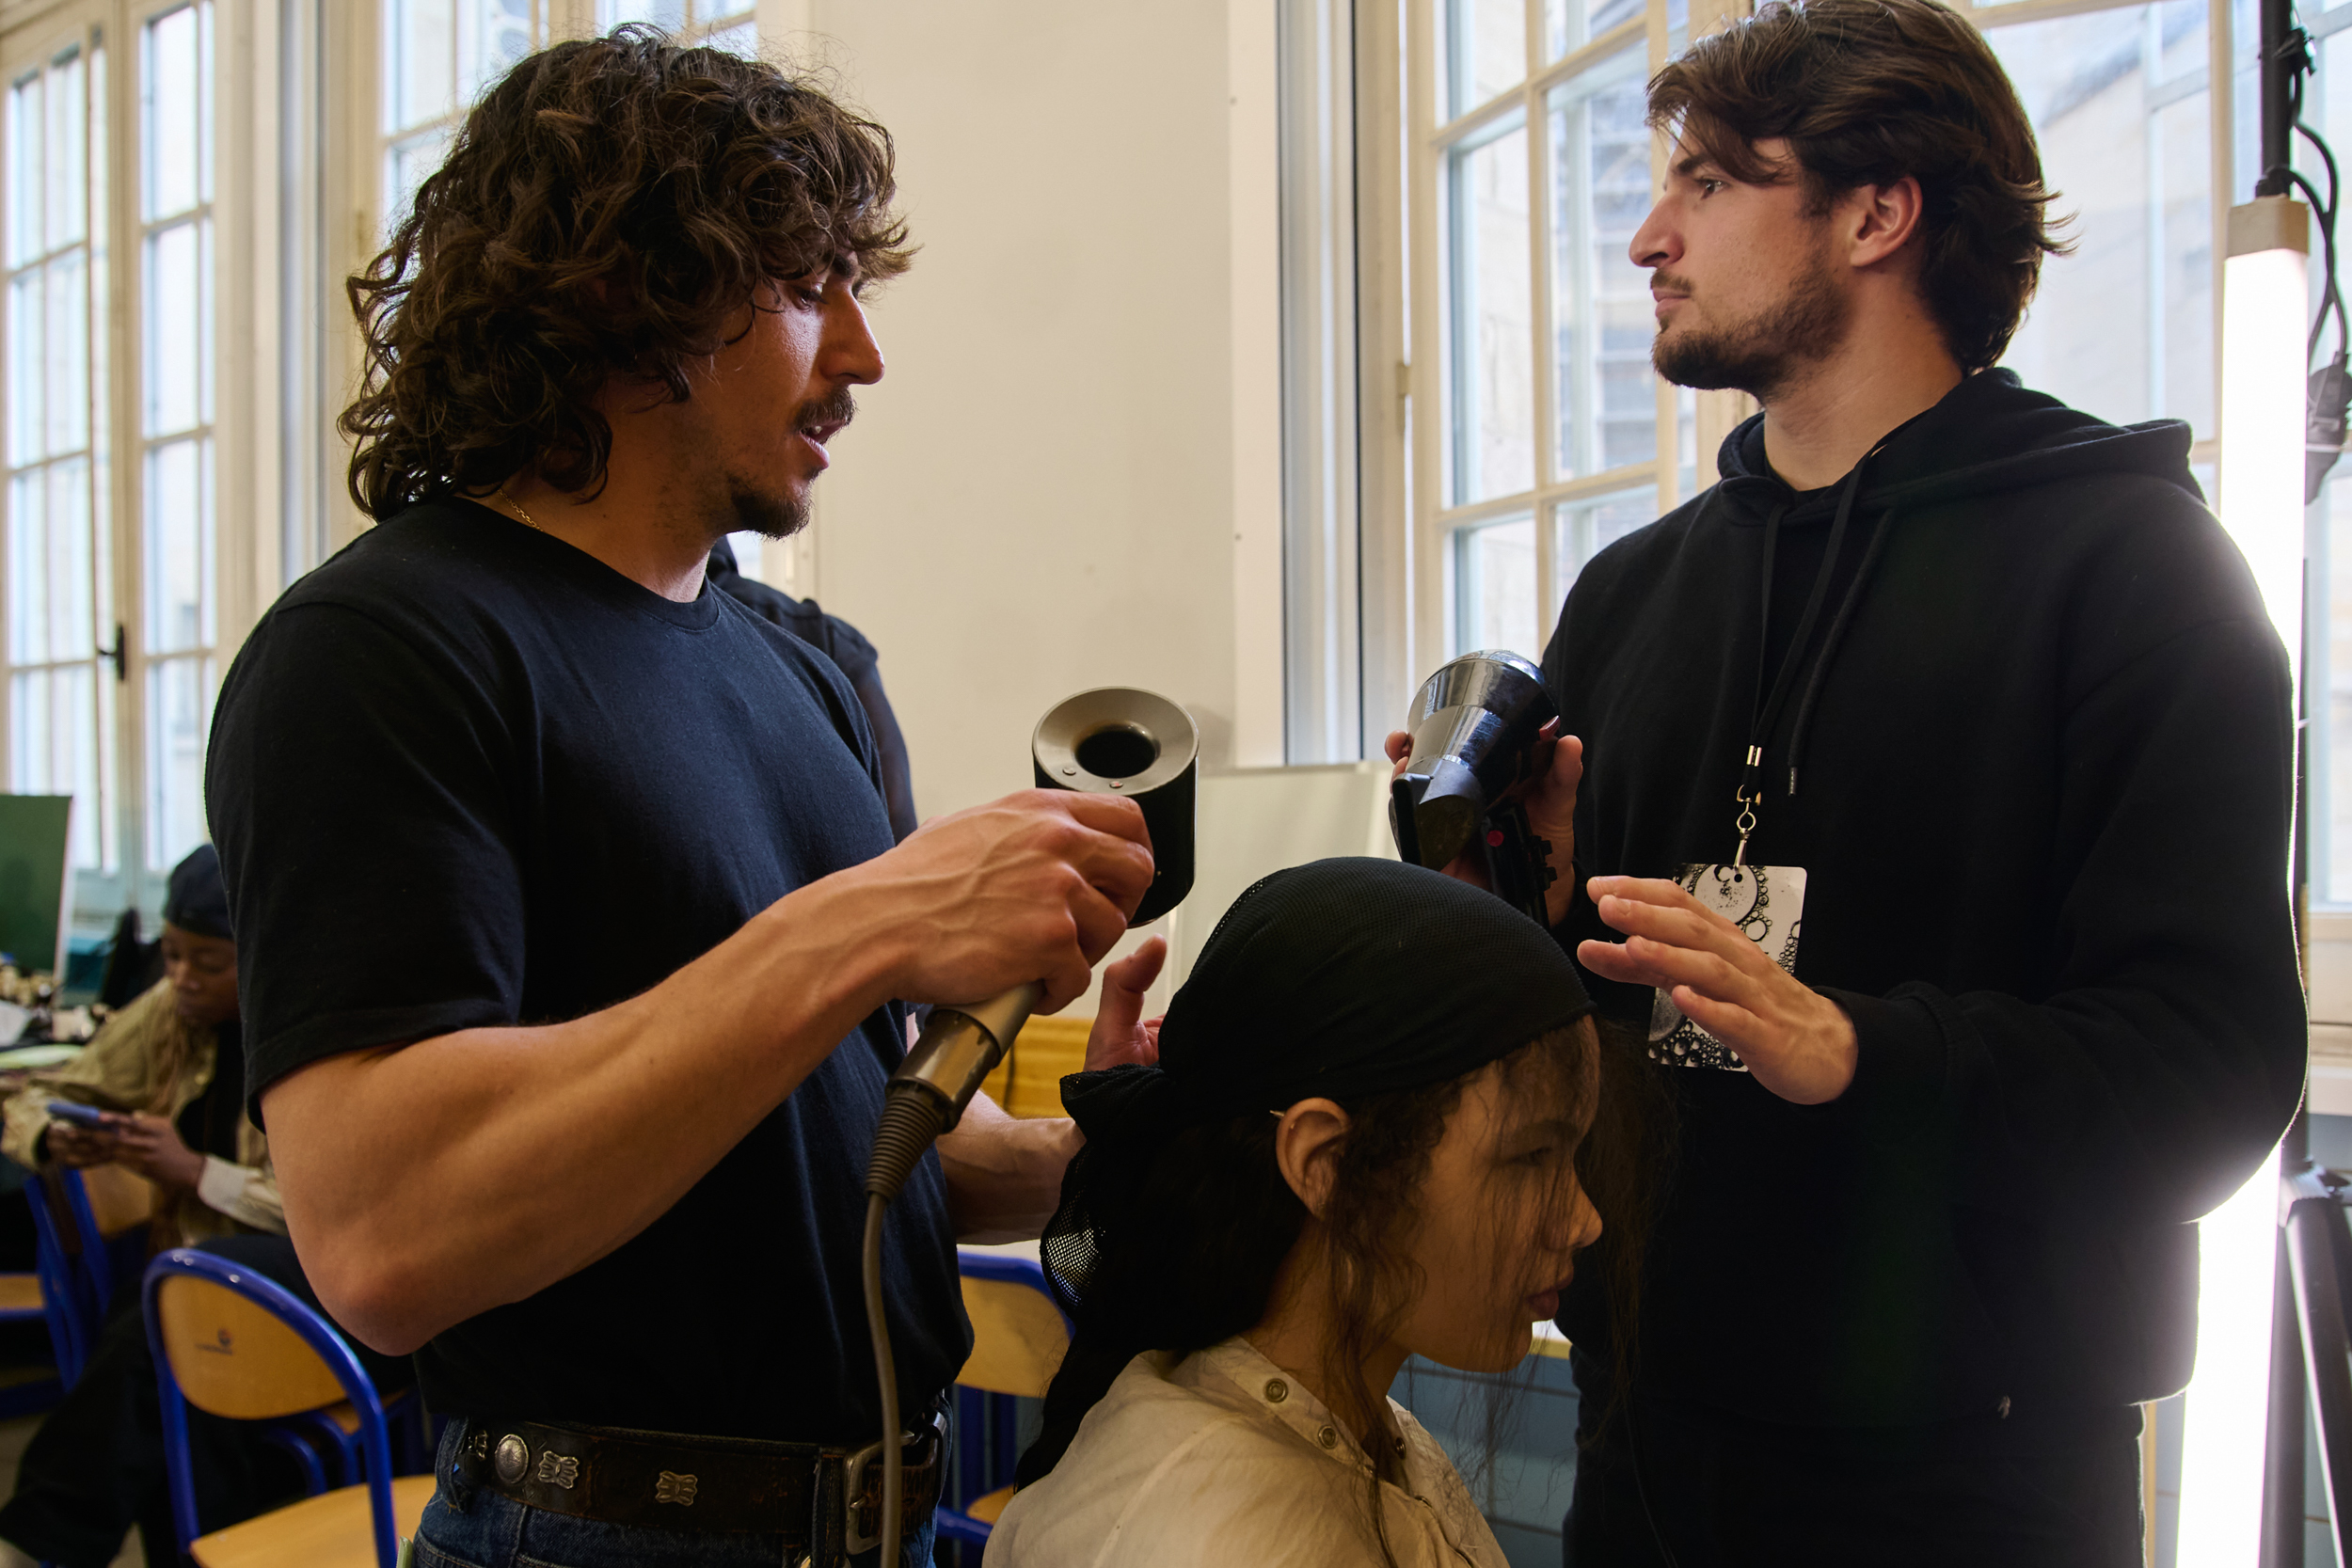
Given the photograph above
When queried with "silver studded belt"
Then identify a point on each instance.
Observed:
(825, 1502)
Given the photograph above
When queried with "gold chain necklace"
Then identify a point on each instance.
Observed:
(529, 520)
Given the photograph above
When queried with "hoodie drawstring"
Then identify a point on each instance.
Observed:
(1829, 646)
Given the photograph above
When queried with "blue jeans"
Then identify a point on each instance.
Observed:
(468, 1527)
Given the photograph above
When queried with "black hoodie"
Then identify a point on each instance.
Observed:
(2043, 797)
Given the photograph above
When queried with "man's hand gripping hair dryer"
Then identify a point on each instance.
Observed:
(1114, 740)
(1477, 728)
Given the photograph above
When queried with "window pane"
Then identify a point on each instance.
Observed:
(1606, 393)
(1570, 25)
(741, 39)
(711, 11)
(1588, 528)
(175, 329)
(666, 14)
(174, 113)
(419, 61)
(28, 316)
(72, 633)
(178, 546)
(1485, 49)
(53, 747)
(1493, 397)
(28, 568)
(28, 166)
(179, 713)
(65, 388)
(1494, 588)
(492, 34)
(405, 167)
(2123, 327)
(68, 138)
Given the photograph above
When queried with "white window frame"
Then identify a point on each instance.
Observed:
(244, 50)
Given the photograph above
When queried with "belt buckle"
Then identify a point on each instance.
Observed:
(854, 1487)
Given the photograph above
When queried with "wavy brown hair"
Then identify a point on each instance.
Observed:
(607, 211)
(1865, 92)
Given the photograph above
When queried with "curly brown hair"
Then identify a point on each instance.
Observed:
(607, 210)
(1865, 92)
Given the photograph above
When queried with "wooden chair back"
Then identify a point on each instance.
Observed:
(235, 1358)
(119, 1199)
(1018, 1337)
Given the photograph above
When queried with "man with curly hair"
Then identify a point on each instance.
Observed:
(1934, 818)
(575, 948)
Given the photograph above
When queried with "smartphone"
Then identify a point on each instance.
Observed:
(81, 1116)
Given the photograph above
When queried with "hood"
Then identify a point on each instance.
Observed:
(1988, 435)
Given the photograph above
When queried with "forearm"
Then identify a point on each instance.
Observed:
(426, 1184)
(1004, 1175)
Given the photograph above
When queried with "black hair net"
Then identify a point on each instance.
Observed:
(1343, 978)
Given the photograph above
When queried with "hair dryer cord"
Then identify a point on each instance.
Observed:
(911, 1122)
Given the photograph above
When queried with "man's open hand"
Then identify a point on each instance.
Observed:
(1796, 1042)
(1550, 803)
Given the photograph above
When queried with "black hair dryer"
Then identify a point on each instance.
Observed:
(1114, 740)
(1477, 727)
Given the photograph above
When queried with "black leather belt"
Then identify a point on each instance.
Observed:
(826, 1502)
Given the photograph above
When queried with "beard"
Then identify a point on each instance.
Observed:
(775, 514)
(1764, 353)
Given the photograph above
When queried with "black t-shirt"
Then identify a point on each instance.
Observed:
(465, 775)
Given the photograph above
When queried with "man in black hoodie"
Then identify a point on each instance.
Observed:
(1986, 694)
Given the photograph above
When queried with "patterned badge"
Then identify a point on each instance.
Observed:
(1767, 903)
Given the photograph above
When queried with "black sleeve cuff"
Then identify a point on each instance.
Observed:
(1899, 1063)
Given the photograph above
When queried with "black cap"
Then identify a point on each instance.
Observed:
(195, 900)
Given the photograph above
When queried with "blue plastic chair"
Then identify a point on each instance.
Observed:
(1019, 1336)
(75, 1266)
(213, 1348)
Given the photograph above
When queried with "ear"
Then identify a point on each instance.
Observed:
(1880, 220)
(1306, 1146)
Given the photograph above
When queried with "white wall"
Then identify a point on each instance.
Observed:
(1042, 495)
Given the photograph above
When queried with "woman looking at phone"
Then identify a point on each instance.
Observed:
(1375, 1129)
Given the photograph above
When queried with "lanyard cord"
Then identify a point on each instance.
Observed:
(1766, 709)
(1829, 646)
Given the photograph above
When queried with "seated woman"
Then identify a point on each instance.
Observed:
(1360, 1143)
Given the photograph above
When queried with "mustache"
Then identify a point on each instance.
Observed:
(1667, 282)
(836, 407)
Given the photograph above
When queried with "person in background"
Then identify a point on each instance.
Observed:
(1365, 1137)
(175, 1057)
(95, 1467)
(1937, 776)
(849, 649)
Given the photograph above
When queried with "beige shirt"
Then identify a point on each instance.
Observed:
(147, 1059)
(1222, 1458)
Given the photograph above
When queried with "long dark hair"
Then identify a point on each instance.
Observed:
(1210, 1221)
(609, 210)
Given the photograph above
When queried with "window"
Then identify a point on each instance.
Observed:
(60, 578)
(720, 24)
(438, 55)
(2328, 642)
(1549, 436)
(112, 589)
(177, 544)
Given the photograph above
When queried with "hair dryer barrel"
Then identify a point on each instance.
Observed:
(1116, 740)
(1474, 726)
